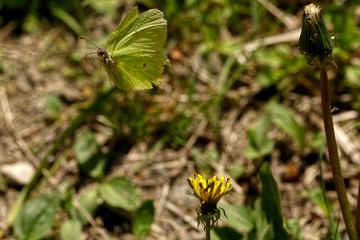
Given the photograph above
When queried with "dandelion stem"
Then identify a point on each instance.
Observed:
(333, 154)
(207, 228)
(357, 222)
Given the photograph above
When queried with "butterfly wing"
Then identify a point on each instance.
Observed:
(130, 17)
(136, 47)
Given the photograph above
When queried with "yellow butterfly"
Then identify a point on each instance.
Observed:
(134, 58)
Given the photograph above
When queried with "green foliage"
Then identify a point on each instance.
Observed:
(317, 198)
(271, 203)
(264, 221)
(32, 13)
(70, 230)
(260, 145)
(294, 227)
(89, 156)
(143, 219)
(285, 120)
(88, 201)
(37, 217)
(119, 192)
(274, 62)
(239, 218)
(175, 132)
(71, 22)
(220, 233)
(352, 74)
(53, 104)
(235, 170)
(203, 160)
(260, 221)
(346, 33)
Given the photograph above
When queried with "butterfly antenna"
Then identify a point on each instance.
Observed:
(89, 59)
(90, 42)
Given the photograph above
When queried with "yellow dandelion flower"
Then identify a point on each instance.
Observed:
(209, 192)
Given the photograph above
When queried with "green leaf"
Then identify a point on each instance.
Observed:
(251, 135)
(31, 23)
(85, 147)
(294, 226)
(253, 153)
(285, 120)
(88, 155)
(238, 217)
(269, 233)
(53, 103)
(67, 198)
(261, 128)
(37, 217)
(88, 202)
(219, 233)
(235, 170)
(271, 202)
(143, 219)
(71, 230)
(352, 75)
(268, 77)
(260, 222)
(119, 192)
(317, 198)
(260, 144)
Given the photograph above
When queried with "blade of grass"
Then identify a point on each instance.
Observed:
(68, 20)
(255, 18)
(226, 81)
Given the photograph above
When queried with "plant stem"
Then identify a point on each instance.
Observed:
(207, 228)
(357, 222)
(333, 154)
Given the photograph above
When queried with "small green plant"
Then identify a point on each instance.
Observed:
(274, 113)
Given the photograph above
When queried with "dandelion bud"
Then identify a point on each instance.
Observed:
(315, 41)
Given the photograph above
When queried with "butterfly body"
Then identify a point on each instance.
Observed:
(105, 58)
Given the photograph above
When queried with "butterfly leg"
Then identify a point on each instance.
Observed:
(111, 60)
